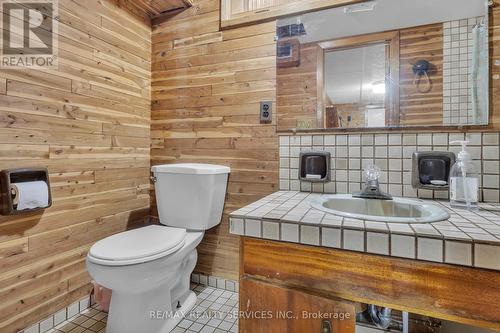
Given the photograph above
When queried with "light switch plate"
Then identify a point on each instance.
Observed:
(266, 112)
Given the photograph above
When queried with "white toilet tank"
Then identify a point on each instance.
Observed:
(190, 196)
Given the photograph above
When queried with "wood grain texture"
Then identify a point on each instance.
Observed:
(88, 123)
(297, 90)
(421, 108)
(283, 310)
(151, 9)
(495, 70)
(418, 287)
(206, 90)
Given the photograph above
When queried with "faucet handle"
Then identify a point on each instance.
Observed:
(372, 172)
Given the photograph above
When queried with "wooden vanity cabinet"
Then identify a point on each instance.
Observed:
(242, 12)
(294, 277)
(280, 310)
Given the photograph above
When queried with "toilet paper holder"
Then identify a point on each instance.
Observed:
(10, 176)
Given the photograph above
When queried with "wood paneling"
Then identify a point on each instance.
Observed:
(206, 89)
(88, 123)
(494, 69)
(150, 9)
(421, 108)
(425, 288)
(297, 90)
(286, 310)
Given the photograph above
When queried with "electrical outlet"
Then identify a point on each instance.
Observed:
(266, 112)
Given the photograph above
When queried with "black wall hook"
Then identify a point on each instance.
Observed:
(421, 67)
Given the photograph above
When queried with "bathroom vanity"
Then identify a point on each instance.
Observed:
(308, 261)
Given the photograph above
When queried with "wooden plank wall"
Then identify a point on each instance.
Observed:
(148, 9)
(421, 108)
(297, 90)
(494, 69)
(206, 89)
(89, 123)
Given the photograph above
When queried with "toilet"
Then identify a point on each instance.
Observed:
(148, 269)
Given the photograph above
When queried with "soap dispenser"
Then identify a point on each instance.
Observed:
(464, 181)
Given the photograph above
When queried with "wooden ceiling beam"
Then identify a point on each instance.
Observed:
(152, 9)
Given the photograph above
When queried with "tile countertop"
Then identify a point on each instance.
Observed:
(466, 238)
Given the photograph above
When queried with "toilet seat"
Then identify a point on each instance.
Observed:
(137, 246)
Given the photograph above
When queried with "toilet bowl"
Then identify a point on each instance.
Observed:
(148, 269)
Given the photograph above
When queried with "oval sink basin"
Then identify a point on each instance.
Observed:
(398, 210)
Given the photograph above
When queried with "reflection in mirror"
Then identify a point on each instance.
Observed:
(358, 86)
(374, 65)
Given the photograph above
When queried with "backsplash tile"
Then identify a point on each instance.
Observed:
(457, 59)
(392, 153)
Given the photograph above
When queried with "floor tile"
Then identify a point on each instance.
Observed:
(213, 313)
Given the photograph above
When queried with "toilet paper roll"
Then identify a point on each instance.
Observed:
(31, 195)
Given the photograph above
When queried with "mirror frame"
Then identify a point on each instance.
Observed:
(426, 128)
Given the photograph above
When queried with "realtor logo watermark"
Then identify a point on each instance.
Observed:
(29, 36)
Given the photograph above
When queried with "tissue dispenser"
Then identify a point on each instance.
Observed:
(431, 170)
(314, 167)
(8, 177)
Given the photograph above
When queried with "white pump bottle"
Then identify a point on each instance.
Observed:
(464, 181)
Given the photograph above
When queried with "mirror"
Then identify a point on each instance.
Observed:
(384, 64)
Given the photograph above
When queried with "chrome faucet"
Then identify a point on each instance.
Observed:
(372, 188)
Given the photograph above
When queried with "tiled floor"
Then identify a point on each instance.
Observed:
(215, 312)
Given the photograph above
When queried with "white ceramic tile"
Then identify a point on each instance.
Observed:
(294, 140)
(458, 253)
(73, 309)
(330, 140)
(381, 139)
(341, 140)
(212, 281)
(252, 228)
(331, 237)
(377, 243)
(354, 240)
(237, 226)
(270, 230)
(59, 317)
(221, 283)
(32, 329)
(84, 303)
(306, 140)
(487, 256)
(491, 152)
(284, 151)
(230, 285)
(204, 280)
(290, 232)
(309, 235)
(284, 140)
(46, 324)
(430, 249)
(318, 140)
(403, 246)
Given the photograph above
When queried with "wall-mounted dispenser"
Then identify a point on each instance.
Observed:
(24, 191)
(431, 170)
(421, 70)
(314, 166)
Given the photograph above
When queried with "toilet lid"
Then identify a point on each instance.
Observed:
(139, 243)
